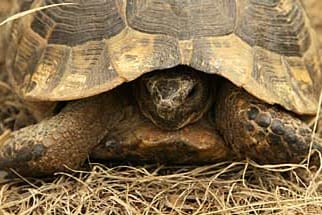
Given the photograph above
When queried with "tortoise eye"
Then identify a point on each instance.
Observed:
(193, 92)
(148, 86)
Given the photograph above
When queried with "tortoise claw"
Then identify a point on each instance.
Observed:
(12, 155)
(317, 144)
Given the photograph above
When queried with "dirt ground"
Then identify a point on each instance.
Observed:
(223, 188)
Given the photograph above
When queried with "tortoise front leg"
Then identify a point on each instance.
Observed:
(262, 132)
(64, 139)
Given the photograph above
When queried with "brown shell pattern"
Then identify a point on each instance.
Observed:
(79, 50)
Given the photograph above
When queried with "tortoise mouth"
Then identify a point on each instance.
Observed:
(175, 97)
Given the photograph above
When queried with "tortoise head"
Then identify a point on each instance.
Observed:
(173, 98)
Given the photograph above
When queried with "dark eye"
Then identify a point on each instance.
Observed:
(147, 85)
(193, 92)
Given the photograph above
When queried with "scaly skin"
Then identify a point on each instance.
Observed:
(64, 139)
(250, 127)
(69, 137)
(262, 132)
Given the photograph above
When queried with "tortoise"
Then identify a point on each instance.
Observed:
(162, 81)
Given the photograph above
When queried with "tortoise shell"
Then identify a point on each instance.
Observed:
(7, 8)
(74, 51)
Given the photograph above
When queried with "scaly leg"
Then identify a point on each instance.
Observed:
(64, 139)
(262, 132)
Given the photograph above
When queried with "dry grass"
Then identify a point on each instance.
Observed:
(25, 13)
(224, 188)
(236, 188)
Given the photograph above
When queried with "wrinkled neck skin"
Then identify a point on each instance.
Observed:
(175, 97)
